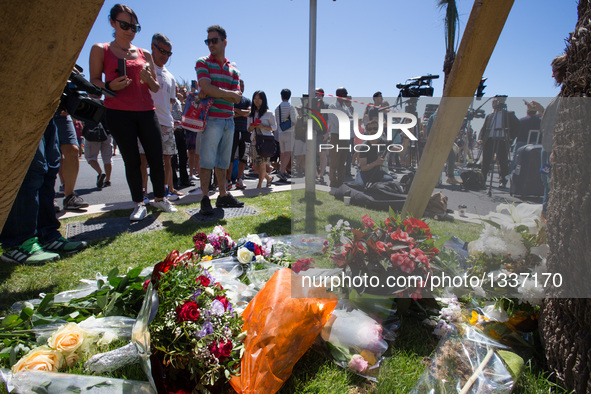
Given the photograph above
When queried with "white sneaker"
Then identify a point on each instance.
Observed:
(138, 213)
(164, 205)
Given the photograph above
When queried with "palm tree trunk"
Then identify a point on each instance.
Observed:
(41, 41)
(565, 324)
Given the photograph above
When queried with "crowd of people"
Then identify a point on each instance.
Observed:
(145, 120)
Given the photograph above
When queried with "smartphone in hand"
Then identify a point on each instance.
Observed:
(122, 67)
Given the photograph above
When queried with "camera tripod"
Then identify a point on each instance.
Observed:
(502, 110)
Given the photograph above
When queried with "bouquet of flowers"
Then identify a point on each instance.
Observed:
(64, 348)
(196, 334)
(215, 244)
(400, 248)
(354, 340)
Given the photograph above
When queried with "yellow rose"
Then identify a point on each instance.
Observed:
(67, 339)
(245, 256)
(71, 359)
(40, 359)
(369, 357)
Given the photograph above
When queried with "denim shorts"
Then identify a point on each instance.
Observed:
(216, 143)
(66, 130)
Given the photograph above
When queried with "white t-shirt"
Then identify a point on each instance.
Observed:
(268, 119)
(162, 98)
(286, 110)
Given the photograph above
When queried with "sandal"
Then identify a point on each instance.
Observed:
(269, 181)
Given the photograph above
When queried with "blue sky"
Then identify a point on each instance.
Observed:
(364, 46)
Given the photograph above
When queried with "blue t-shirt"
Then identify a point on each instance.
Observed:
(240, 121)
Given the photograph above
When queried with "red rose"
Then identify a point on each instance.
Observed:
(146, 284)
(224, 301)
(203, 281)
(257, 250)
(221, 350)
(165, 265)
(219, 286)
(188, 312)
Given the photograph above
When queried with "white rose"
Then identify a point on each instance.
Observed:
(254, 239)
(208, 249)
(245, 256)
(328, 228)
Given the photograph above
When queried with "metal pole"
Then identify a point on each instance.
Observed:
(310, 177)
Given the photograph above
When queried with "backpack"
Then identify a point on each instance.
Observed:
(95, 133)
(472, 180)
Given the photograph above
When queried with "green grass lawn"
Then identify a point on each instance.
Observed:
(278, 214)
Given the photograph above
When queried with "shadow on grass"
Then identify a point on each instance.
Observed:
(10, 298)
(280, 225)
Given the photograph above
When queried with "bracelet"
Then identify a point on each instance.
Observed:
(107, 85)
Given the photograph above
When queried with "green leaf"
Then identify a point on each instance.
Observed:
(134, 273)
(9, 320)
(441, 240)
(495, 225)
(112, 274)
(45, 304)
(26, 313)
(513, 362)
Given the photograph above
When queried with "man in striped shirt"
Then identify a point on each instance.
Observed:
(218, 79)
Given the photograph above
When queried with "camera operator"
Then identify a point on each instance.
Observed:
(30, 234)
(499, 129)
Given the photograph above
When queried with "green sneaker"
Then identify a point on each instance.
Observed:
(65, 246)
(29, 252)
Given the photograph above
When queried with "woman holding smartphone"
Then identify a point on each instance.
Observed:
(129, 73)
(260, 120)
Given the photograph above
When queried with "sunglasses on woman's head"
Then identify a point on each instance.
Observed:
(126, 26)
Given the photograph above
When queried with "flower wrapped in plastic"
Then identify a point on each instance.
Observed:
(398, 248)
(354, 341)
(196, 334)
(466, 361)
(281, 324)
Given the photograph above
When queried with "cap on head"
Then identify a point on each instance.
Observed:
(342, 92)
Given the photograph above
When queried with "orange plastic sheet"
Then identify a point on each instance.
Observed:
(280, 329)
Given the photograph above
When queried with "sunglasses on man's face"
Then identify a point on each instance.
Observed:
(126, 26)
(163, 51)
(211, 41)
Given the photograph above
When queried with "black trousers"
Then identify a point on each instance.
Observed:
(126, 127)
(179, 161)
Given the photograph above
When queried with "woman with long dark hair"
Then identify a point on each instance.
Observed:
(129, 72)
(260, 120)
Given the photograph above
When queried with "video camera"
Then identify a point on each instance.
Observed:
(417, 86)
(75, 98)
(475, 113)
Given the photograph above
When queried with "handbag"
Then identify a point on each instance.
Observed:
(286, 124)
(264, 144)
(94, 134)
(196, 117)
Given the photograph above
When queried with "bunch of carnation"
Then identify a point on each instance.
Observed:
(217, 243)
(398, 247)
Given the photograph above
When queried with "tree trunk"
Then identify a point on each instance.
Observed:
(565, 323)
(41, 42)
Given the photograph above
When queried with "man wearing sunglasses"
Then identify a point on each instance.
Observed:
(220, 80)
(163, 99)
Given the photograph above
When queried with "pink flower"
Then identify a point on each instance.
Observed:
(419, 256)
(381, 246)
(361, 246)
(367, 221)
(358, 363)
(402, 236)
(301, 265)
(416, 295)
